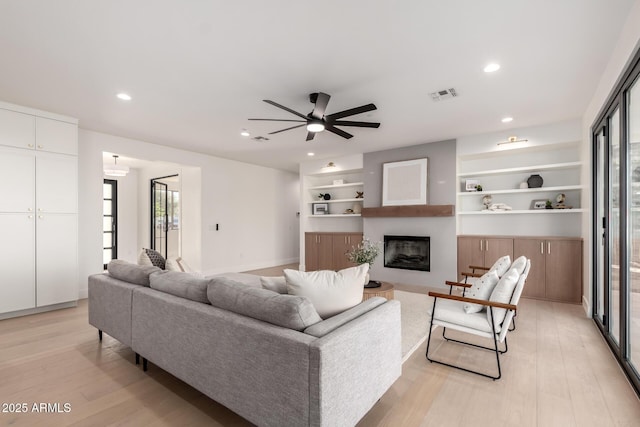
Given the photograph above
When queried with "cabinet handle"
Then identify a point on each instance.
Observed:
(30, 217)
(30, 209)
(480, 245)
(549, 247)
(487, 245)
(30, 145)
(39, 146)
(40, 216)
(542, 248)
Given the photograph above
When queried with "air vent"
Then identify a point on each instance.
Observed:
(260, 138)
(443, 95)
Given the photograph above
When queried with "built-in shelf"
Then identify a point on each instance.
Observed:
(526, 211)
(409, 211)
(336, 200)
(324, 187)
(522, 190)
(534, 168)
(333, 215)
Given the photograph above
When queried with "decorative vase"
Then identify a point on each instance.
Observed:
(357, 208)
(327, 196)
(366, 279)
(535, 181)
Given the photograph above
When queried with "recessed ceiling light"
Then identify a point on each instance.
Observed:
(245, 133)
(507, 119)
(311, 154)
(491, 68)
(124, 96)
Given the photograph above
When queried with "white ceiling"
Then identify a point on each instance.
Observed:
(198, 69)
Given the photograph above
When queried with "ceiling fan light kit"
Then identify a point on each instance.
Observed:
(316, 121)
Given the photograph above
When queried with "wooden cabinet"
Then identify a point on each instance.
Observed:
(556, 267)
(556, 262)
(482, 251)
(327, 251)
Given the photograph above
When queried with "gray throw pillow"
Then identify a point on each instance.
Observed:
(132, 273)
(288, 311)
(183, 285)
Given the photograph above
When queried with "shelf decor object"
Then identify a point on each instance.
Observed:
(535, 181)
(405, 183)
(320, 208)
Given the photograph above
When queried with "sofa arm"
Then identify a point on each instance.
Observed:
(321, 329)
(110, 306)
(366, 354)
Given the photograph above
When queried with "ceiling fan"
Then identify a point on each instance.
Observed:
(316, 121)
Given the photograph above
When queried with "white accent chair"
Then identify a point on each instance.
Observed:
(492, 322)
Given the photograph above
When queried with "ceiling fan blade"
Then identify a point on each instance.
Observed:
(356, 124)
(310, 135)
(282, 130)
(321, 105)
(280, 120)
(351, 112)
(275, 104)
(340, 132)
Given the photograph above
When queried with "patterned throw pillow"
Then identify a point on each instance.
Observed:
(151, 257)
(481, 289)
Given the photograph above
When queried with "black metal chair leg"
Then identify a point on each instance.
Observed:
(144, 364)
(433, 312)
(100, 334)
(137, 359)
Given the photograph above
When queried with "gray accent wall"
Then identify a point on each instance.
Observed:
(441, 190)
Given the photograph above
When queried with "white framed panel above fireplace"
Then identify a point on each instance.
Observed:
(404, 183)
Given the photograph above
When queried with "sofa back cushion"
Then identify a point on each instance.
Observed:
(183, 285)
(275, 284)
(131, 273)
(330, 292)
(287, 311)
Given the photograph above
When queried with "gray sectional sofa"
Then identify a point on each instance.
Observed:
(263, 355)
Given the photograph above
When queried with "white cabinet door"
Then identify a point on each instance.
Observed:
(17, 262)
(17, 180)
(56, 136)
(56, 183)
(57, 254)
(17, 129)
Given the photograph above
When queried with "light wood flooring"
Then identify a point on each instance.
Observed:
(558, 372)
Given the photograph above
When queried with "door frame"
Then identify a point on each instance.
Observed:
(114, 216)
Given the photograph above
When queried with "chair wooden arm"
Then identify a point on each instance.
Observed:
(471, 274)
(462, 285)
(476, 267)
(474, 301)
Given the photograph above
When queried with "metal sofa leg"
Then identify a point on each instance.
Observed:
(137, 359)
(100, 334)
(144, 364)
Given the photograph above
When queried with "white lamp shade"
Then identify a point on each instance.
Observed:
(116, 170)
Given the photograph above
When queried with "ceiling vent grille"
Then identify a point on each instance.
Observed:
(443, 95)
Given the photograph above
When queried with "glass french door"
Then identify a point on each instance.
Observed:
(159, 217)
(109, 221)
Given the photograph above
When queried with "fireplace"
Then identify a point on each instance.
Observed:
(407, 252)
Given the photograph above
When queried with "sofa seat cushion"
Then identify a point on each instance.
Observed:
(330, 292)
(131, 273)
(287, 311)
(182, 285)
(450, 313)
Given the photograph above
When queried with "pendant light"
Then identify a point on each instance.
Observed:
(115, 169)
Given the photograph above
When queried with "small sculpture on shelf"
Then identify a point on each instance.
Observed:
(486, 201)
(325, 196)
(359, 194)
(548, 205)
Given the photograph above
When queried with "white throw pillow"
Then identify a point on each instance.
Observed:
(481, 289)
(502, 293)
(502, 265)
(178, 264)
(330, 292)
(172, 265)
(519, 264)
(275, 284)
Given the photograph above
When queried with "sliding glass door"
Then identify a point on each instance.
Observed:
(616, 221)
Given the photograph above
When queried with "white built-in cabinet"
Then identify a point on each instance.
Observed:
(38, 209)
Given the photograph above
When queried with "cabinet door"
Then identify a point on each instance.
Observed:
(564, 270)
(17, 129)
(325, 252)
(533, 249)
(310, 251)
(57, 254)
(496, 248)
(17, 180)
(56, 183)
(469, 253)
(17, 262)
(343, 243)
(56, 136)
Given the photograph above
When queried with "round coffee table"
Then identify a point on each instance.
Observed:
(385, 290)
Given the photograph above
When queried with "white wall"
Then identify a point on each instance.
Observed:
(254, 206)
(628, 43)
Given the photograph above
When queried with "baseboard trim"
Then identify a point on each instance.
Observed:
(586, 306)
(37, 310)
